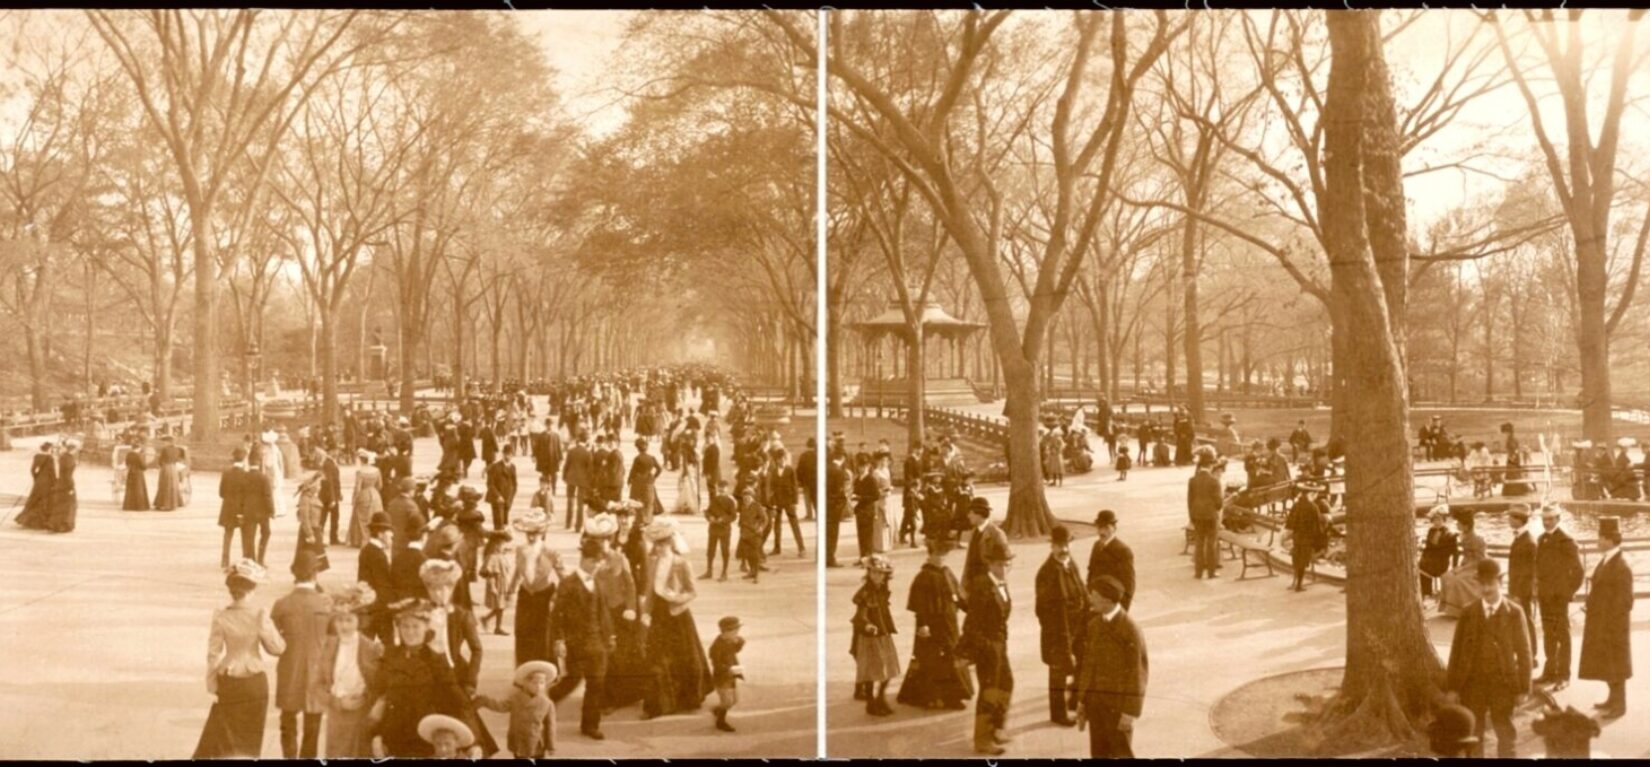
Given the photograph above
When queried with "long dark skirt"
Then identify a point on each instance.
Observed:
(681, 674)
(65, 507)
(933, 678)
(533, 625)
(167, 493)
(235, 726)
(37, 508)
(137, 492)
(628, 673)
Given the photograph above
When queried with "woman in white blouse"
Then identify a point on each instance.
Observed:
(235, 670)
(349, 676)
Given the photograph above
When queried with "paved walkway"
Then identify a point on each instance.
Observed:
(1206, 638)
(104, 630)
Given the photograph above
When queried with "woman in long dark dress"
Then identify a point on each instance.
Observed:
(681, 670)
(167, 493)
(933, 679)
(535, 580)
(137, 486)
(235, 671)
(627, 669)
(456, 634)
(38, 507)
(65, 504)
(416, 681)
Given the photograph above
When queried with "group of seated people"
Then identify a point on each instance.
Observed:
(1600, 475)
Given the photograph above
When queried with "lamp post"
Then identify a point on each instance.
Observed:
(252, 372)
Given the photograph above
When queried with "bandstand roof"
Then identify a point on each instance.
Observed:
(936, 321)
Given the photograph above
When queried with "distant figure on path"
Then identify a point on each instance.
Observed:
(44, 472)
(137, 486)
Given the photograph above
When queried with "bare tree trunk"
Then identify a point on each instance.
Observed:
(204, 413)
(1392, 672)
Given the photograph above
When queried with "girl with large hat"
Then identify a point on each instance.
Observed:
(235, 670)
(681, 671)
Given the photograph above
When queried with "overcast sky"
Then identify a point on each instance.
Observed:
(580, 45)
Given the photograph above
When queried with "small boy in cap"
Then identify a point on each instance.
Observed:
(721, 515)
(725, 669)
(753, 529)
(532, 713)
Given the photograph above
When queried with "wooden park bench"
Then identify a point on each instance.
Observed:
(1252, 549)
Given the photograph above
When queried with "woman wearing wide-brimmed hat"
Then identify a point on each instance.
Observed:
(309, 521)
(349, 674)
(235, 670)
(537, 573)
(1438, 549)
(627, 668)
(367, 500)
(455, 632)
(681, 670)
(416, 681)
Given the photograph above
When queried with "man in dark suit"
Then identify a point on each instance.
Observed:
(610, 471)
(302, 617)
(987, 544)
(1606, 638)
(1062, 613)
(501, 485)
(405, 582)
(710, 462)
(1112, 679)
(547, 453)
(1489, 660)
(1111, 556)
(232, 491)
(373, 568)
(257, 508)
(581, 631)
(466, 446)
(1521, 571)
(1203, 502)
(1558, 576)
(332, 493)
(838, 484)
(985, 641)
(577, 473)
(807, 473)
(404, 513)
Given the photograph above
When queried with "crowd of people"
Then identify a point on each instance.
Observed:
(390, 665)
(1094, 652)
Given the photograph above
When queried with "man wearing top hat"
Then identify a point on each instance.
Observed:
(1111, 682)
(1489, 659)
(1606, 638)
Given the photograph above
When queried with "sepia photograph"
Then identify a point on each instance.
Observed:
(1244, 384)
(764, 384)
(489, 339)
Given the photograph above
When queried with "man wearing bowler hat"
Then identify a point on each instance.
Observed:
(1111, 556)
(988, 543)
(302, 617)
(1489, 659)
(1112, 678)
(373, 568)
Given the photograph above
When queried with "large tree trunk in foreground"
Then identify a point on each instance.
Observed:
(1028, 512)
(1392, 671)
